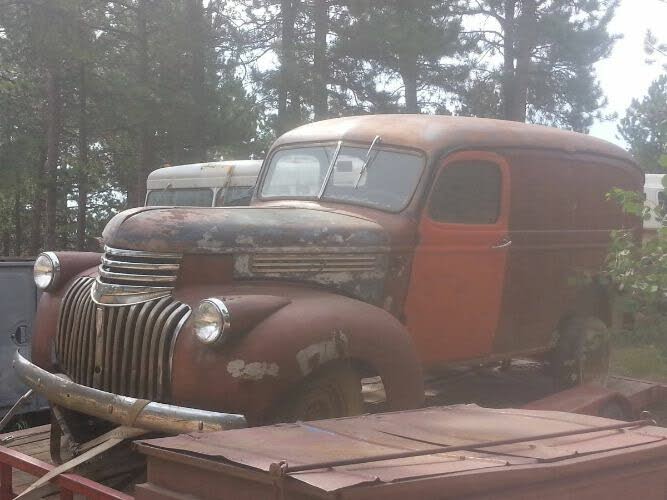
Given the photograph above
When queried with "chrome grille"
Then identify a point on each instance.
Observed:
(133, 276)
(125, 350)
(315, 263)
(133, 267)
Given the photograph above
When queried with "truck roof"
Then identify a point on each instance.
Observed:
(213, 174)
(654, 180)
(435, 134)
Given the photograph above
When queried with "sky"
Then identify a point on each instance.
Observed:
(625, 74)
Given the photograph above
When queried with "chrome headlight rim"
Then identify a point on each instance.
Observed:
(223, 320)
(54, 272)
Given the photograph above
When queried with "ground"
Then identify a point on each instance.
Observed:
(645, 361)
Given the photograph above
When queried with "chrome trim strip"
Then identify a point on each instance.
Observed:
(321, 263)
(119, 252)
(121, 409)
(141, 278)
(172, 347)
(144, 266)
(316, 257)
(107, 294)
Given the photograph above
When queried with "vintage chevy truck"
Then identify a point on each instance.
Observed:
(390, 246)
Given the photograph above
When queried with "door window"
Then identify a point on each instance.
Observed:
(467, 192)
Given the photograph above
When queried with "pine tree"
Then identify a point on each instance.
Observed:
(548, 49)
(644, 127)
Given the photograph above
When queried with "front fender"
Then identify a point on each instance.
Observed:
(251, 374)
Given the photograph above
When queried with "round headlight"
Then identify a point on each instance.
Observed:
(46, 270)
(211, 320)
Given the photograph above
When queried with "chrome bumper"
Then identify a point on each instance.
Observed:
(122, 410)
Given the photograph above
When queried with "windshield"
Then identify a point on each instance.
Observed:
(387, 183)
(202, 197)
(234, 196)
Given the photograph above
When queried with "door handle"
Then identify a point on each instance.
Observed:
(504, 243)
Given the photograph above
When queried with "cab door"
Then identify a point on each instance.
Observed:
(455, 293)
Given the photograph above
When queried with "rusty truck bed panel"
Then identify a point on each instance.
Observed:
(368, 436)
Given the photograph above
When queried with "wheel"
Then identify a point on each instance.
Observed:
(331, 393)
(582, 352)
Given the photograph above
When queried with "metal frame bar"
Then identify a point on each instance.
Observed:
(69, 484)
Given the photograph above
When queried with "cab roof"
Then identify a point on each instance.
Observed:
(213, 174)
(435, 134)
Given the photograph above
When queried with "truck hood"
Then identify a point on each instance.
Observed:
(242, 229)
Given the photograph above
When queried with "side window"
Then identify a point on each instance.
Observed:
(467, 192)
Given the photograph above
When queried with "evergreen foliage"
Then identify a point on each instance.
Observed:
(94, 94)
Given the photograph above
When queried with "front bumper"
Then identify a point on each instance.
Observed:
(122, 410)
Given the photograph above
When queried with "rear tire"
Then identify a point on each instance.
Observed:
(582, 352)
(331, 393)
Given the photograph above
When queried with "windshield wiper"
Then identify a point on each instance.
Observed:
(367, 160)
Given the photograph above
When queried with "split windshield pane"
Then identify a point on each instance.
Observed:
(387, 183)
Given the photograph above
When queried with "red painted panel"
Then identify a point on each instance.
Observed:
(454, 298)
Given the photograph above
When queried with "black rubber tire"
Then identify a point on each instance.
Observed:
(330, 393)
(582, 352)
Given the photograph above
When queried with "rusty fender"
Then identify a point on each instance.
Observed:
(253, 372)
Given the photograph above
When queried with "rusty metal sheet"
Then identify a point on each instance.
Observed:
(372, 435)
(434, 134)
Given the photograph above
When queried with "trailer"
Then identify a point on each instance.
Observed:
(147, 468)
(18, 302)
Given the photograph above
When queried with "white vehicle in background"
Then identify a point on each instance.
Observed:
(215, 184)
(655, 198)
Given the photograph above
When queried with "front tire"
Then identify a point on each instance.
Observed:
(331, 393)
(582, 352)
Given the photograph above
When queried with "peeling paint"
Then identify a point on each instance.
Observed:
(322, 352)
(246, 240)
(256, 370)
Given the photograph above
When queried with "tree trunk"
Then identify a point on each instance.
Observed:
(287, 66)
(320, 64)
(82, 181)
(197, 35)
(508, 81)
(409, 76)
(18, 212)
(6, 243)
(53, 124)
(38, 206)
(526, 42)
(145, 130)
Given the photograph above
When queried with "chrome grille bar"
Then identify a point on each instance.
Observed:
(135, 276)
(124, 350)
(142, 266)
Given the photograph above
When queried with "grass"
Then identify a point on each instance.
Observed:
(639, 361)
(642, 353)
